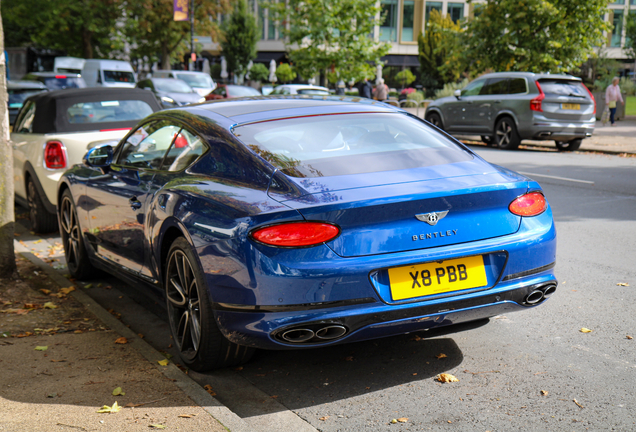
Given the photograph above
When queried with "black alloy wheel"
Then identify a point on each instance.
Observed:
(42, 222)
(435, 120)
(77, 260)
(201, 344)
(506, 136)
(572, 145)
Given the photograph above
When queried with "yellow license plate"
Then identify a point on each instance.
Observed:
(437, 277)
(571, 106)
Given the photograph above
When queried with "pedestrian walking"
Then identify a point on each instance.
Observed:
(381, 91)
(612, 97)
(365, 89)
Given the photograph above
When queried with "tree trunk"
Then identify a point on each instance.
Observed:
(7, 211)
(87, 46)
(165, 56)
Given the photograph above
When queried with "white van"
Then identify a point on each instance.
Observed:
(68, 65)
(109, 73)
(200, 82)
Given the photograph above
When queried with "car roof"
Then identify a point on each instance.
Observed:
(54, 74)
(26, 84)
(535, 76)
(303, 86)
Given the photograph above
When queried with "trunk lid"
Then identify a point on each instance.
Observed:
(566, 100)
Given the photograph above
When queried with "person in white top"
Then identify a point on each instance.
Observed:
(612, 97)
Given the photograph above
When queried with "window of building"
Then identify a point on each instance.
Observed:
(631, 16)
(261, 21)
(271, 27)
(456, 11)
(617, 33)
(388, 26)
(620, 2)
(430, 5)
(408, 21)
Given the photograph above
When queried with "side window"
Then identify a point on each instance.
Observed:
(517, 85)
(185, 149)
(146, 147)
(473, 88)
(24, 123)
(495, 86)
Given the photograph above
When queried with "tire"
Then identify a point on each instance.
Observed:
(77, 261)
(42, 222)
(435, 120)
(486, 139)
(506, 135)
(201, 344)
(569, 145)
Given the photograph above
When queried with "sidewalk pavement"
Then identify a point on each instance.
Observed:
(63, 357)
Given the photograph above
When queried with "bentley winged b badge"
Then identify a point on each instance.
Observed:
(431, 218)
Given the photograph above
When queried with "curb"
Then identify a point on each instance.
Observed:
(216, 409)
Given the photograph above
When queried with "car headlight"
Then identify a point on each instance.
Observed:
(202, 100)
(166, 99)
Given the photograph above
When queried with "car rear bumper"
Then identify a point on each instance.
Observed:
(545, 129)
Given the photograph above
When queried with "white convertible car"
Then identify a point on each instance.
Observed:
(53, 132)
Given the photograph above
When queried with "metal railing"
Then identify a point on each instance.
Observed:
(408, 103)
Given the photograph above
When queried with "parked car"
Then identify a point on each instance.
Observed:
(229, 91)
(507, 107)
(292, 89)
(57, 81)
(109, 73)
(171, 92)
(68, 65)
(18, 91)
(201, 82)
(300, 222)
(53, 131)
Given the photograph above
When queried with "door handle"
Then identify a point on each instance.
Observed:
(497, 101)
(134, 203)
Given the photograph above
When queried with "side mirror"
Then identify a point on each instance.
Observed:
(99, 157)
(458, 94)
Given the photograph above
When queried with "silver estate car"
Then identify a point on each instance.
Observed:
(507, 107)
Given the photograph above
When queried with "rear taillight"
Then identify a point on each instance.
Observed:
(592, 96)
(535, 104)
(54, 155)
(296, 234)
(60, 76)
(530, 204)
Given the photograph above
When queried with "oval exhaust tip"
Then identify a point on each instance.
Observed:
(331, 332)
(298, 335)
(534, 297)
(550, 289)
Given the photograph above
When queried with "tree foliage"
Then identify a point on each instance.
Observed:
(150, 28)
(239, 35)
(535, 35)
(630, 36)
(331, 35)
(85, 28)
(405, 77)
(285, 73)
(259, 72)
(440, 52)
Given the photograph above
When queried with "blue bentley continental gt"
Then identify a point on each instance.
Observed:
(305, 221)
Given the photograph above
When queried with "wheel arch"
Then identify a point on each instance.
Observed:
(434, 110)
(30, 174)
(171, 230)
(505, 113)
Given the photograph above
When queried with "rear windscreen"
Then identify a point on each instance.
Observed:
(63, 83)
(107, 111)
(342, 144)
(17, 97)
(563, 87)
(119, 77)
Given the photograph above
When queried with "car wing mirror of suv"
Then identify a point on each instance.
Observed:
(458, 94)
(100, 157)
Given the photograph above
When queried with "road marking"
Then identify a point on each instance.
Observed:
(556, 177)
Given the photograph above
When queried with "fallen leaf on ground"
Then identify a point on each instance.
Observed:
(157, 426)
(41, 348)
(622, 284)
(110, 409)
(88, 285)
(394, 421)
(184, 416)
(208, 388)
(118, 392)
(350, 358)
(121, 340)
(544, 393)
(445, 378)
(585, 330)
(240, 368)
(163, 362)
(629, 337)
(403, 419)
(49, 305)
(45, 291)
(67, 290)
(140, 335)
(323, 418)
(577, 404)
(416, 338)
(441, 356)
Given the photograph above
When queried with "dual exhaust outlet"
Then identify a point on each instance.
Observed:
(307, 335)
(540, 294)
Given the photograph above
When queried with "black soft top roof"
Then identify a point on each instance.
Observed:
(50, 108)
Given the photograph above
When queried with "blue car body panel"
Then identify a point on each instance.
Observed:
(259, 291)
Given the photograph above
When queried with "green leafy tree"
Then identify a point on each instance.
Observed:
(259, 72)
(239, 35)
(7, 253)
(86, 28)
(331, 35)
(405, 77)
(440, 52)
(150, 28)
(535, 35)
(285, 73)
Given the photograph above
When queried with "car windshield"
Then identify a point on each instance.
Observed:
(119, 77)
(309, 91)
(196, 80)
(107, 111)
(62, 82)
(18, 96)
(239, 91)
(563, 87)
(172, 85)
(342, 144)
